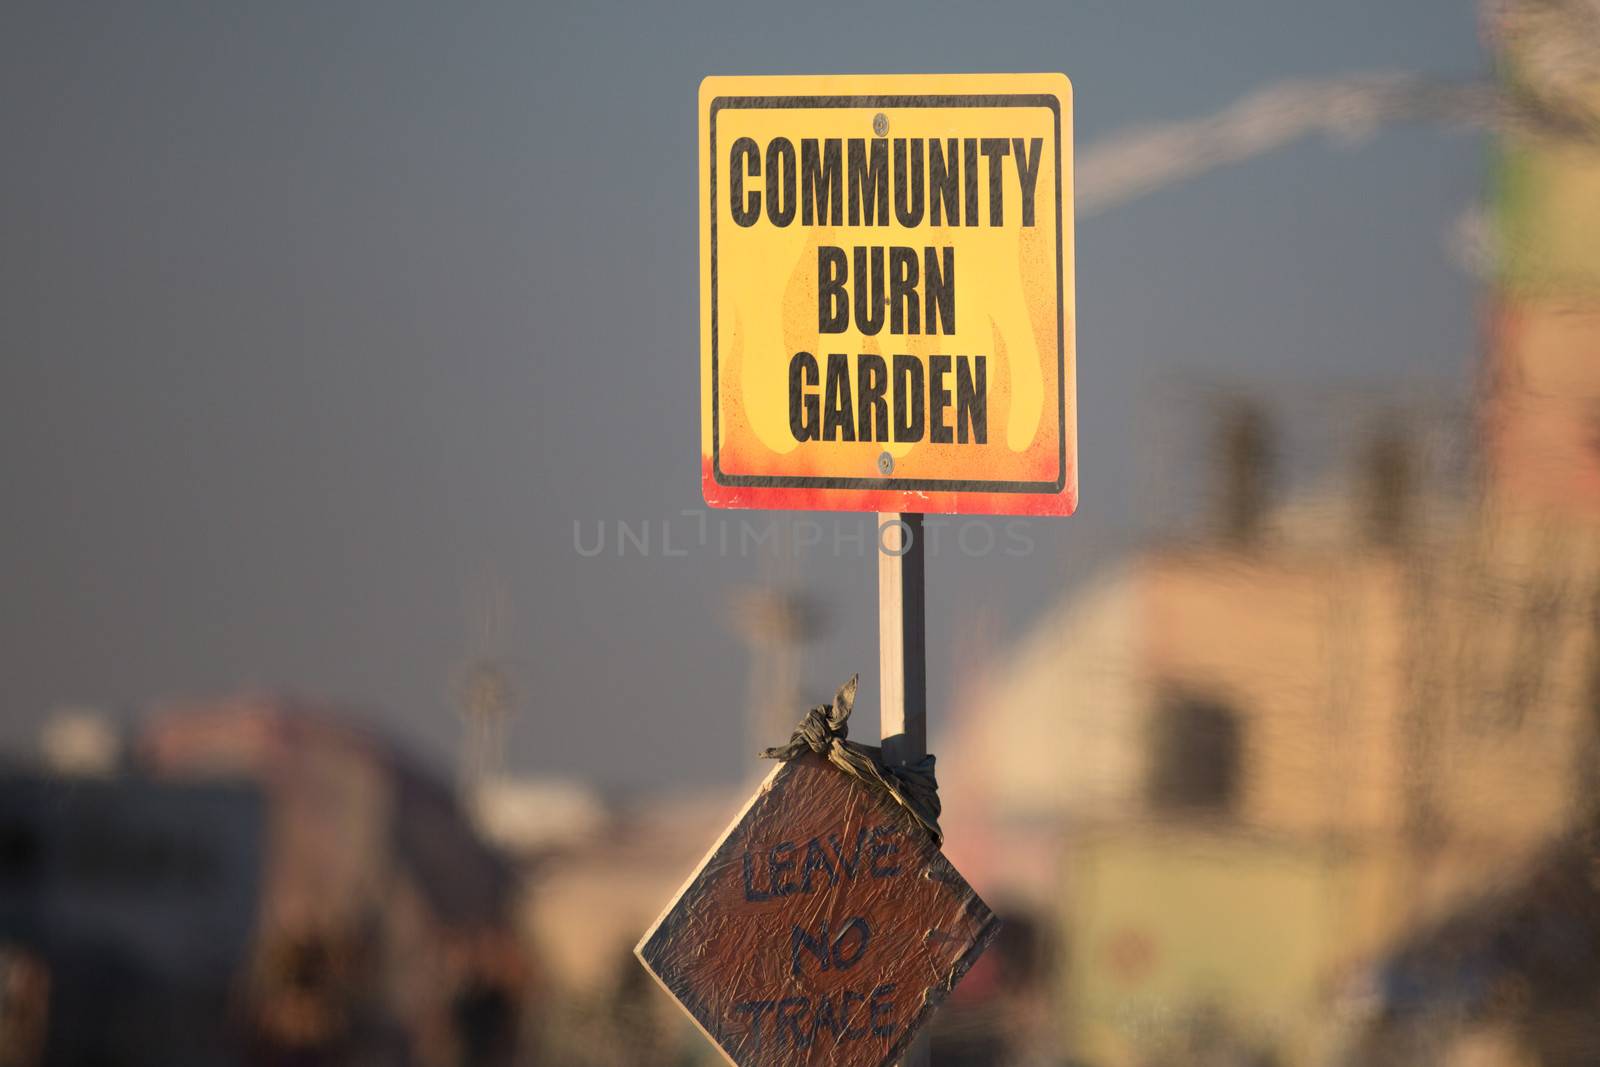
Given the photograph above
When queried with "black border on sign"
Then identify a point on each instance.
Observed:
(912, 484)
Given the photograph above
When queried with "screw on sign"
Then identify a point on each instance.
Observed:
(823, 928)
(886, 293)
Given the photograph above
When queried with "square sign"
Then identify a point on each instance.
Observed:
(886, 293)
(824, 928)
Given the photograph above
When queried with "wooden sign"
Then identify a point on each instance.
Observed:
(886, 293)
(823, 928)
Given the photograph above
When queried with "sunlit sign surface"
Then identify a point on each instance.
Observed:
(886, 282)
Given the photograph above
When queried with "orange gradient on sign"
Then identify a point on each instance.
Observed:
(1012, 292)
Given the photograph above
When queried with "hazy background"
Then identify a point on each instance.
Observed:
(320, 325)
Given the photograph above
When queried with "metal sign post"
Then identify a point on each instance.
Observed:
(902, 639)
(903, 659)
(886, 326)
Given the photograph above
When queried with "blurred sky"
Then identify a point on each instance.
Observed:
(320, 322)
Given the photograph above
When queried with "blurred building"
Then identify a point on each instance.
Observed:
(250, 881)
(1342, 736)
(1243, 765)
(1239, 767)
(127, 908)
(385, 931)
(594, 877)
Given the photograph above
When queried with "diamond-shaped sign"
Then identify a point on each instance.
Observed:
(823, 928)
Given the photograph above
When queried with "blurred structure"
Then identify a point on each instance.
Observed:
(531, 818)
(385, 926)
(1511, 978)
(1244, 445)
(24, 1007)
(257, 882)
(586, 908)
(80, 741)
(485, 700)
(774, 623)
(127, 908)
(1315, 781)
(775, 619)
(1245, 764)
(1548, 101)
(484, 692)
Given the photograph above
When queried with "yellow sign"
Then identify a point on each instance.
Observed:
(886, 308)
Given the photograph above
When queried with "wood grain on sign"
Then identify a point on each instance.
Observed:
(823, 928)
